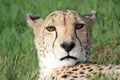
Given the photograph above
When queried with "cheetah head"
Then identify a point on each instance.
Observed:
(63, 38)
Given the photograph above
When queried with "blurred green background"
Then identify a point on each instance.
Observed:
(18, 59)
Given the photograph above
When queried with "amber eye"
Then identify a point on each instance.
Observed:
(51, 28)
(79, 26)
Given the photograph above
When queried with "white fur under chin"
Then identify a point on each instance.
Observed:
(49, 63)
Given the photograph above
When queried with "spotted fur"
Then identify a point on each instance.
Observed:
(87, 71)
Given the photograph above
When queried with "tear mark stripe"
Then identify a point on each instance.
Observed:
(56, 35)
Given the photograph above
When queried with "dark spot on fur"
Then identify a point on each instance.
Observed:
(100, 68)
(82, 76)
(110, 67)
(74, 69)
(88, 67)
(81, 72)
(53, 77)
(118, 67)
(81, 66)
(70, 72)
(94, 62)
(90, 70)
(65, 76)
(74, 76)
(84, 68)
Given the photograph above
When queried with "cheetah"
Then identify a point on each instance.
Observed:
(63, 40)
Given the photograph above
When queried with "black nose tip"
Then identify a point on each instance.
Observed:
(68, 46)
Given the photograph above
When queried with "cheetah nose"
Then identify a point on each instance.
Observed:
(68, 46)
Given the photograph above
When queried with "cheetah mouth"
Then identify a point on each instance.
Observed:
(68, 57)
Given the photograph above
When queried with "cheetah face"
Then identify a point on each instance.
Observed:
(63, 38)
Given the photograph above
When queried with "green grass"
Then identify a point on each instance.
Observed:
(18, 59)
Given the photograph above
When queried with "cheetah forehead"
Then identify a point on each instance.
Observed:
(64, 17)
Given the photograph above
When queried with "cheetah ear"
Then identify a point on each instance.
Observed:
(34, 21)
(91, 16)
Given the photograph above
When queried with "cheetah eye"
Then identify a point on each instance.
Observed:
(51, 28)
(79, 26)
